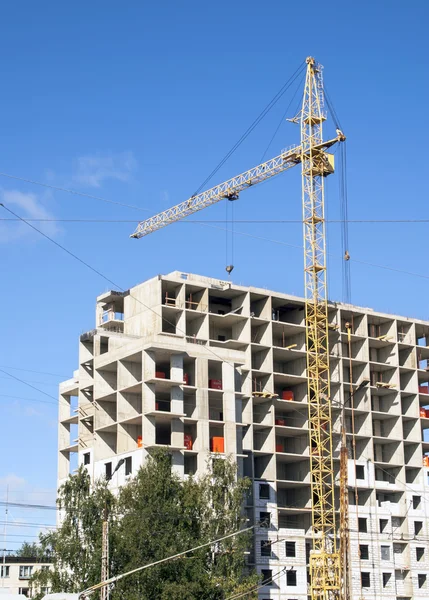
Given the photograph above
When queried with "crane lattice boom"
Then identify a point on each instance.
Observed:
(228, 190)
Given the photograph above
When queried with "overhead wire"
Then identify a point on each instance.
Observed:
(256, 588)
(100, 274)
(32, 371)
(71, 191)
(242, 233)
(27, 384)
(201, 221)
(255, 123)
(38, 382)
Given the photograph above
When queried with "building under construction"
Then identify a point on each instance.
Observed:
(208, 368)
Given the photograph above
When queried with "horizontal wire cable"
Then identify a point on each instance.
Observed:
(74, 192)
(31, 371)
(116, 285)
(201, 221)
(257, 587)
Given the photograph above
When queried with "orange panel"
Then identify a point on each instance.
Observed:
(217, 444)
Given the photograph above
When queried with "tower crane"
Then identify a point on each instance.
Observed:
(327, 579)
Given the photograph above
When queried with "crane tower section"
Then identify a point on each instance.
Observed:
(316, 164)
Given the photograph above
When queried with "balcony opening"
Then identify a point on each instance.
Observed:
(417, 500)
(170, 293)
(217, 439)
(261, 465)
(215, 375)
(163, 402)
(189, 371)
(412, 475)
(190, 464)
(162, 433)
(169, 323)
(362, 525)
(215, 407)
(265, 519)
(190, 404)
(162, 370)
(190, 436)
(259, 306)
(104, 344)
(287, 312)
(265, 548)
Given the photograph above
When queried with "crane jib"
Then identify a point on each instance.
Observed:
(228, 190)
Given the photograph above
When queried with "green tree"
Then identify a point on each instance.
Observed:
(30, 550)
(155, 515)
(75, 547)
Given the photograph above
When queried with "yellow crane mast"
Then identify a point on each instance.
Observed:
(324, 560)
(327, 579)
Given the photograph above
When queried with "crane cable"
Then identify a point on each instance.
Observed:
(229, 213)
(256, 122)
(346, 276)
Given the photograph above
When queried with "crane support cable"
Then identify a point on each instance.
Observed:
(113, 580)
(255, 123)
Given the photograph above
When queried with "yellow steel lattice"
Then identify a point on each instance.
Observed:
(324, 559)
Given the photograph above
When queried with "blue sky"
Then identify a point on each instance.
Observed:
(138, 102)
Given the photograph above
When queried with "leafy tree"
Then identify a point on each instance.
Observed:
(154, 516)
(76, 546)
(30, 550)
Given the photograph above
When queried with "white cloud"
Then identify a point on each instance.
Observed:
(27, 206)
(93, 170)
(14, 482)
(20, 490)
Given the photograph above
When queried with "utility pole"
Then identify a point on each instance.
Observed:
(104, 594)
(105, 590)
(4, 536)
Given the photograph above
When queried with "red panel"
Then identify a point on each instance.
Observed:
(215, 384)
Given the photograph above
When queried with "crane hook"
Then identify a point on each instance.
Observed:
(229, 269)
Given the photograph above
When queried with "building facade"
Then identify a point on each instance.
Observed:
(207, 368)
(16, 573)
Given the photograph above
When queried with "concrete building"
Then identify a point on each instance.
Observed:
(15, 575)
(205, 366)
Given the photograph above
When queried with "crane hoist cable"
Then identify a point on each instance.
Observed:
(345, 246)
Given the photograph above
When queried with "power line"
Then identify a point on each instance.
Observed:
(112, 580)
(100, 274)
(29, 525)
(281, 243)
(28, 384)
(38, 382)
(255, 588)
(28, 399)
(25, 505)
(71, 191)
(247, 221)
(31, 371)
